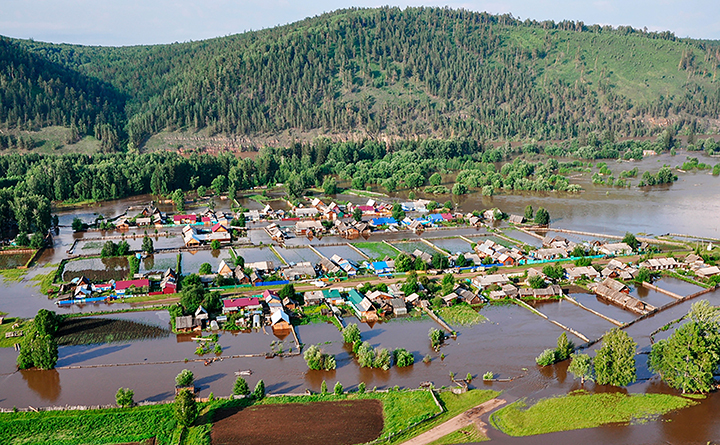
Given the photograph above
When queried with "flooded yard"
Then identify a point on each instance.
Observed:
(452, 245)
(13, 260)
(97, 269)
(159, 262)
(191, 261)
(573, 316)
(299, 255)
(343, 251)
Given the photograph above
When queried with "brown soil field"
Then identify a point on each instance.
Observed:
(327, 423)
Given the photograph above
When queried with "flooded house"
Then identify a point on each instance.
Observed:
(231, 305)
(299, 271)
(577, 273)
(361, 305)
(185, 324)
(132, 286)
(280, 321)
(615, 249)
(660, 264)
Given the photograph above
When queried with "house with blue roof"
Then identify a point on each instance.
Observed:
(382, 267)
(389, 220)
(434, 218)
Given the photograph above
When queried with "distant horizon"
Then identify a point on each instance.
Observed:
(132, 23)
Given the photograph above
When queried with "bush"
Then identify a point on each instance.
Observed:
(564, 348)
(361, 388)
(205, 269)
(186, 409)
(185, 378)
(351, 333)
(241, 388)
(403, 358)
(547, 357)
(323, 387)
(124, 397)
(338, 390)
(259, 391)
(488, 375)
(318, 360)
(436, 337)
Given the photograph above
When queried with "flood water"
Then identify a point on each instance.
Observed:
(506, 344)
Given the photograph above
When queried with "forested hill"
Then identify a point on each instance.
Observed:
(378, 72)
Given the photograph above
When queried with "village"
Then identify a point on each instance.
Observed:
(455, 264)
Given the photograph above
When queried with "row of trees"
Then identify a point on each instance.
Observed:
(38, 347)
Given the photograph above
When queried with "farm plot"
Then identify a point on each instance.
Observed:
(158, 262)
(412, 245)
(343, 251)
(97, 269)
(344, 422)
(86, 331)
(452, 245)
(297, 255)
(377, 250)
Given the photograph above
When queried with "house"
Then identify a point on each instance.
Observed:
(333, 296)
(241, 276)
(280, 321)
(576, 273)
(262, 266)
(224, 269)
(237, 304)
(550, 253)
(707, 272)
(168, 283)
(255, 278)
(274, 232)
(328, 266)
(468, 297)
(413, 299)
(382, 267)
(304, 227)
(363, 308)
(660, 264)
(485, 281)
(378, 296)
(516, 219)
(185, 324)
(539, 294)
(201, 314)
(184, 219)
(615, 249)
(306, 212)
(387, 220)
(398, 306)
(299, 271)
(693, 259)
(313, 298)
(426, 257)
(450, 299)
(140, 286)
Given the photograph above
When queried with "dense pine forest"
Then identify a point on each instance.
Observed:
(377, 73)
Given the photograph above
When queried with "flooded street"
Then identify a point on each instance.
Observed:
(505, 344)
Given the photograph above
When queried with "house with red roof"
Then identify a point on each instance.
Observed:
(140, 286)
(237, 304)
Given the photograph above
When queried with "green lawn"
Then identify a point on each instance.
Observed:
(377, 250)
(469, 434)
(10, 275)
(7, 327)
(583, 410)
(84, 427)
(461, 314)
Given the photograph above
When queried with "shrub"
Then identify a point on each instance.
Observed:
(124, 397)
(351, 333)
(185, 378)
(547, 357)
(241, 388)
(564, 348)
(436, 337)
(403, 358)
(259, 391)
(318, 360)
(488, 375)
(361, 388)
(186, 409)
(338, 390)
(323, 387)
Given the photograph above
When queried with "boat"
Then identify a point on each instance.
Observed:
(245, 372)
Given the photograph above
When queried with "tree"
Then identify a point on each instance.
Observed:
(287, 291)
(435, 179)
(529, 212)
(436, 337)
(124, 397)
(330, 186)
(361, 388)
(323, 388)
(123, 248)
(147, 245)
(318, 360)
(460, 261)
(109, 249)
(459, 189)
(615, 360)
(688, 359)
(37, 240)
(554, 272)
(338, 390)
(439, 261)
(219, 184)
(537, 282)
(448, 283)
(22, 239)
(77, 224)
(241, 388)
(631, 241)
(581, 367)
(202, 191)
(403, 262)
(542, 217)
(185, 378)
(397, 212)
(259, 391)
(215, 244)
(186, 410)
(403, 358)
(205, 269)
(351, 333)
(411, 284)
(46, 322)
(564, 348)
(178, 198)
(643, 275)
(357, 214)
(546, 358)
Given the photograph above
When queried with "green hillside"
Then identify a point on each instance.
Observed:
(371, 72)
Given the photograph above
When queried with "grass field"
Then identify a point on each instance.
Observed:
(462, 314)
(10, 275)
(583, 410)
(469, 434)
(86, 331)
(7, 327)
(44, 281)
(377, 250)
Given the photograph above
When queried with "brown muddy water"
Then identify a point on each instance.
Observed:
(506, 344)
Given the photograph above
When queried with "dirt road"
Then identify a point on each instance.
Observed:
(462, 420)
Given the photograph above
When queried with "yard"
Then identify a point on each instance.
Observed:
(86, 330)
(461, 314)
(377, 251)
(583, 410)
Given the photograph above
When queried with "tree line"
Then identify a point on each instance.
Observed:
(404, 72)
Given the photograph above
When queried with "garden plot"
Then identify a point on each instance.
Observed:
(298, 255)
(343, 251)
(377, 251)
(452, 245)
(97, 269)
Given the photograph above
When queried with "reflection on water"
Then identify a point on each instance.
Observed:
(45, 384)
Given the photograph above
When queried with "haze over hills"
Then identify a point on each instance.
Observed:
(390, 73)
